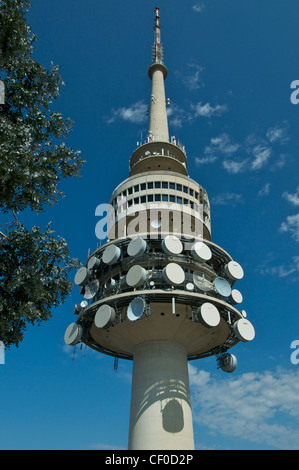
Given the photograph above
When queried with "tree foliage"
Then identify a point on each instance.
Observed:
(33, 279)
(34, 158)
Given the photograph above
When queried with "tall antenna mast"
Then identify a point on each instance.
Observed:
(157, 49)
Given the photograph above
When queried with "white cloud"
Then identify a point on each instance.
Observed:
(261, 155)
(224, 144)
(136, 113)
(206, 110)
(265, 190)
(234, 166)
(192, 77)
(225, 199)
(177, 115)
(291, 225)
(277, 134)
(281, 271)
(205, 160)
(198, 7)
(292, 198)
(261, 408)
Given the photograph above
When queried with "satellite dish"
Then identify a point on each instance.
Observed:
(201, 252)
(244, 330)
(136, 247)
(91, 289)
(190, 287)
(222, 286)
(228, 362)
(202, 283)
(94, 263)
(172, 245)
(244, 313)
(156, 224)
(236, 297)
(136, 309)
(111, 254)
(79, 307)
(73, 334)
(136, 276)
(234, 271)
(173, 274)
(82, 276)
(104, 316)
(208, 315)
(110, 283)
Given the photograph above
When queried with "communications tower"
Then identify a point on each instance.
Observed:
(160, 292)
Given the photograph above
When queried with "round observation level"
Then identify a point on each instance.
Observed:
(181, 205)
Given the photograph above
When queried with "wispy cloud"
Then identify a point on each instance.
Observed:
(292, 198)
(198, 7)
(177, 116)
(253, 154)
(205, 160)
(136, 113)
(278, 134)
(282, 270)
(268, 410)
(265, 190)
(192, 76)
(291, 225)
(224, 199)
(235, 166)
(207, 110)
(261, 155)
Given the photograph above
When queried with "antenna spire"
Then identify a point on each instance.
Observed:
(157, 48)
(158, 125)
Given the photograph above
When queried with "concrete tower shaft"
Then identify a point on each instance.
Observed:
(158, 123)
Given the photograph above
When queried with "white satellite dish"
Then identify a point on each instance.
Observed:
(173, 274)
(79, 307)
(244, 330)
(136, 247)
(202, 283)
(110, 283)
(222, 286)
(201, 252)
(236, 297)
(156, 224)
(244, 313)
(94, 263)
(111, 254)
(104, 316)
(91, 289)
(136, 309)
(73, 334)
(228, 362)
(136, 276)
(234, 271)
(208, 315)
(172, 245)
(82, 276)
(190, 287)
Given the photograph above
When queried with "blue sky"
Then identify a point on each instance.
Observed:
(230, 68)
